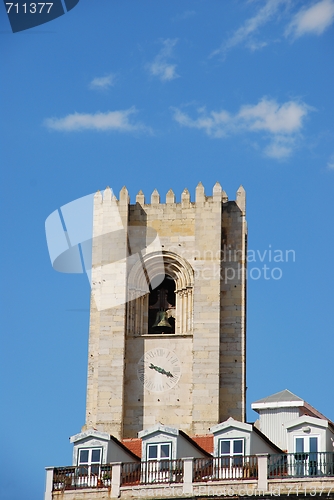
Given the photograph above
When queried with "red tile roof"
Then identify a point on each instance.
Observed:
(133, 444)
(205, 442)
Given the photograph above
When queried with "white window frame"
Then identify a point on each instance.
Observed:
(230, 464)
(306, 439)
(90, 464)
(159, 445)
(158, 468)
(302, 463)
(231, 454)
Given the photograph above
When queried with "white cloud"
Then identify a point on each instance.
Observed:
(215, 124)
(160, 66)
(185, 15)
(281, 124)
(111, 120)
(280, 147)
(314, 19)
(274, 118)
(103, 82)
(250, 27)
(254, 45)
(163, 70)
(330, 164)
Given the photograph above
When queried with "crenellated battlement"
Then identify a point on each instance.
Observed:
(218, 195)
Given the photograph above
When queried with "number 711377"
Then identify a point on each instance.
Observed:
(33, 8)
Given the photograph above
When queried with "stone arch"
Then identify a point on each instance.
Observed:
(145, 272)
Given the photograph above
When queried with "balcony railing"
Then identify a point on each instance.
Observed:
(130, 474)
(83, 476)
(301, 465)
(220, 468)
(287, 465)
(152, 472)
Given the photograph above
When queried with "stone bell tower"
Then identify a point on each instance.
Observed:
(168, 312)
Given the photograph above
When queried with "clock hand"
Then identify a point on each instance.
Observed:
(160, 370)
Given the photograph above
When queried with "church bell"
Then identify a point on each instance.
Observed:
(161, 322)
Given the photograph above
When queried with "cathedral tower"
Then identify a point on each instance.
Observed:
(168, 312)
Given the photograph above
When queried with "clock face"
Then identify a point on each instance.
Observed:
(159, 369)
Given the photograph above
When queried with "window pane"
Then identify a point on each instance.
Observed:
(82, 471)
(164, 465)
(152, 451)
(237, 461)
(165, 451)
(224, 447)
(94, 470)
(83, 458)
(238, 446)
(313, 456)
(314, 444)
(96, 454)
(299, 444)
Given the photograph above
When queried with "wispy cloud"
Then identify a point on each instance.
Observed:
(315, 19)
(160, 66)
(103, 82)
(111, 120)
(244, 34)
(330, 164)
(280, 147)
(185, 15)
(278, 123)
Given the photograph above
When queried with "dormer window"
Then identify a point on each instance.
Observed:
(89, 461)
(159, 451)
(232, 452)
(306, 448)
(158, 466)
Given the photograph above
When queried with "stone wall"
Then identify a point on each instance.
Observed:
(207, 240)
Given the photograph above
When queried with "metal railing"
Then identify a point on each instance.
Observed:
(82, 476)
(286, 465)
(301, 465)
(130, 474)
(227, 467)
(152, 472)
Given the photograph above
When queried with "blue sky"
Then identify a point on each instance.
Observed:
(163, 95)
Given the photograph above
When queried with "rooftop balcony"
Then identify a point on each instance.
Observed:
(297, 474)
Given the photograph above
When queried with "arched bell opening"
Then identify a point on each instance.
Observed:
(161, 283)
(161, 306)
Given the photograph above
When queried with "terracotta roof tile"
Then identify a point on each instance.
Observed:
(133, 444)
(205, 442)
